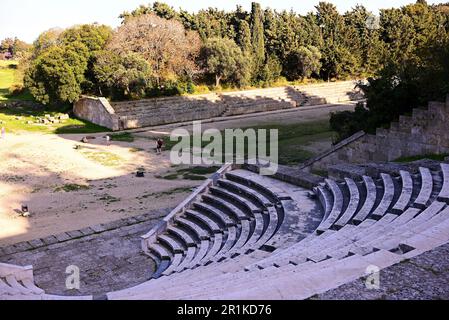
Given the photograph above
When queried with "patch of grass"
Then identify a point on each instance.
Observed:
(10, 76)
(16, 120)
(321, 173)
(171, 176)
(193, 177)
(71, 187)
(436, 157)
(293, 139)
(197, 173)
(102, 157)
(135, 150)
(109, 199)
(199, 170)
(166, 193)
(124, 137)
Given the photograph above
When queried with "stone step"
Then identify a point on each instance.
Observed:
(209, 223)
(190, 255)
(426, 188)
(326, 200)
(370, 200)
(254, 181)
(216, 213)
(273, 226)
(176, 261)
(391, 239)
(229, 197)
(182, 236)
(244, 190)
(216, 247)
(379, 229)
(444, 193)
(200, 254)
(229, 244)
(171, 243)
(201, 233)
(160, 251)
(245, 233)
(406, 192)
(337, 206)
(354, 202)
(259, 228)
(387, 197)
(227, 206)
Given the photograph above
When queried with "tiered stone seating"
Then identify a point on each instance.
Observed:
(159, 111)
(330, 93)
(261, 100)
(17, 283)
(340, 253)
(236, 216)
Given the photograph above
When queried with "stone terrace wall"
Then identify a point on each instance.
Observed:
(424, 132)
(98, 111)
(158, 111)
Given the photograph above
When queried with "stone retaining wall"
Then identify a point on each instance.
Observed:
(159, 111)
(98, 111)
(424, 132)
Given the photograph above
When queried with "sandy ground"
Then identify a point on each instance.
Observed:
(38, 169)
(34, 168)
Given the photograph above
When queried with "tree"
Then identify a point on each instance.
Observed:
(56, 75)
(303, 62)
(257, 35)
(224, 59)
(121, 77)
(271, 71)
(46, 40)
(164, 44)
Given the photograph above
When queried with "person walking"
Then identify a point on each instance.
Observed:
(3, 132)
(108, 140)
(159, 145)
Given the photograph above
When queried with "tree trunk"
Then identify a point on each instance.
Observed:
(217, 80)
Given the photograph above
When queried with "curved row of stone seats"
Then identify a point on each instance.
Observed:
(365, 205)
(236, 216)
(344, 256)
(444, 193)
(17, 283)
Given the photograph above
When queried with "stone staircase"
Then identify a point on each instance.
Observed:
(423, 132)
(236, 216)
(152, 112)
(369, 221)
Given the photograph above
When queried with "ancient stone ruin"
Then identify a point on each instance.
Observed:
(295, 235)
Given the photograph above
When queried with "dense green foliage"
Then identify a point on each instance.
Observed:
(416, 69)
(162, 51)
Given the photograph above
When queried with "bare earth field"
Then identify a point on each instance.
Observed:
(68, 189)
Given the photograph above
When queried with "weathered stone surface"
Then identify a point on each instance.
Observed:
(111, 260)
(152, 112)
(424, 278)
(425, 132)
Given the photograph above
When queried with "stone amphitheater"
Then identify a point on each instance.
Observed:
(159, 111)
(296, 235)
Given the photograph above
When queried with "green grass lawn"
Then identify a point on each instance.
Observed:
(9, 76)
(436, 157)
(293, 139)
(15, 120)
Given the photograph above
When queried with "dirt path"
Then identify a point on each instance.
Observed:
(68, 189)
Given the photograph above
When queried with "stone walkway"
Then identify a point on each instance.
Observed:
(108, 260)
(425, 277)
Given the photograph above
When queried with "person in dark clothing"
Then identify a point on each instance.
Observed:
(159, 145)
